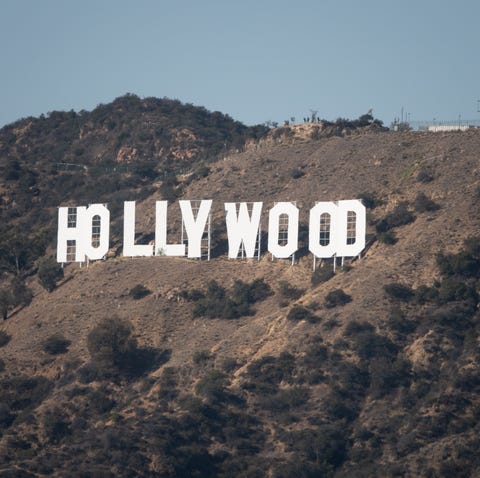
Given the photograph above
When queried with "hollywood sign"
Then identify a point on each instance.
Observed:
(336, 229)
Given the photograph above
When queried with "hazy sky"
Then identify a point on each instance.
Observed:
(254, 60)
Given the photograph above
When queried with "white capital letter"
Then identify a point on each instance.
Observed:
(161, 246)
(72, 230)
(337, 228)
(352, 218)
(242, 228)
(104, 231)
(323, 233)
(291, 246)
(195, 227)
(129, 247)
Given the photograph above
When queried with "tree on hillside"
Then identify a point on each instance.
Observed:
(12, 170)
(22, 295)
(6, 302)
(114, 351)
(49, 273)
(18, 250)
(14, 251)
(110, 344)
(14, 295)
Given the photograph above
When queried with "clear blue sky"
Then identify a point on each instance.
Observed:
(254, 60)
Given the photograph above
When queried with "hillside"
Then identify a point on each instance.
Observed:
(293, 378)
(105, 154)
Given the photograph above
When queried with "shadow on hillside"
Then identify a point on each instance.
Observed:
(144, 360)
(130, 366)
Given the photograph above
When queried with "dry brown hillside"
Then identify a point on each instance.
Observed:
(366, 388)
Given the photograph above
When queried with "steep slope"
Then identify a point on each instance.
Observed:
(381, 384)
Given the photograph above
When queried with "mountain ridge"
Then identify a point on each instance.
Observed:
(383, 384)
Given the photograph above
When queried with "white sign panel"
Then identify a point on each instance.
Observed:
(336, 228)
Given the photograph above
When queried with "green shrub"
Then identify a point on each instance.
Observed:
(454, 289)
(216, 302)
(472, 246)
(201, 357)
(24, 393)
(87, 373)
(382, 226)
(288, 291)
(298, 312)
(6, 417)
(312, 363)
(337, 297)
(424, 294)
(252, 292)
(369, 200)
(139, 291)
(387, 374)
(12, 170)
(229, 364)
(100, 400)
(468, 381)
(145, 170)
(340, 408)
(399, 291)
(285, 399)
(328, 441)
(213, 303)
(55, 425)
(355, 327)
(4, 338)
(424, 175)
(168, 383)
(296, 173)
(466, 263)
(445, 263)
(212, 385)
(168, 189)
(400, 216)
(271, 370)
(422, 203)
(330, 324)
(203, 171)
(369, 344)
(399, 322)
(56, 344)
(387, 237)
(453, 318)
(321, 275)
(192, 295)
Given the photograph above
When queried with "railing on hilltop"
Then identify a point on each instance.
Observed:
(458, 123)
(130, 167)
